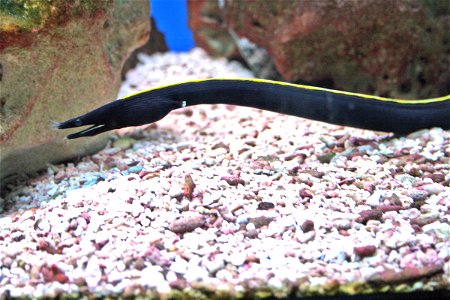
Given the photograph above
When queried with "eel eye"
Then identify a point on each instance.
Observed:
(78, 122)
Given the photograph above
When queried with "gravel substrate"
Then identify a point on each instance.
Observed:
(224, 201)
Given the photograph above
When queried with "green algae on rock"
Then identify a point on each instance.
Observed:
(28, 15)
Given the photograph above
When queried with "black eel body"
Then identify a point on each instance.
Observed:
(320, 104)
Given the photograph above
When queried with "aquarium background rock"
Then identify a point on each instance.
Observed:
(59, 59)
(155, 43)
(397, 49)
(209, 29)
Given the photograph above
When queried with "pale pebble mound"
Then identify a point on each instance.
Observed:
(223, 201)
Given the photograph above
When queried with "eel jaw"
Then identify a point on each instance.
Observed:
(93, 130)
(77, 122)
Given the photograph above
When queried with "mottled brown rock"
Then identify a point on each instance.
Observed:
(179, 284)
(408, 273)
(61, 278)
(251, 234)
(154, 255)
(306, 193)
(307, 226)
(58, 61)
(209, 30)
(233, 180)
(187, 223)
(53, 273)
(47, 274)
(436, 177)
(425, 219)
(385, 208)
(265, 205)
(393, 48)
(188, 187)
(221, 145)
(364, 251)
(261, 221)
(43, 245)
(367, 215)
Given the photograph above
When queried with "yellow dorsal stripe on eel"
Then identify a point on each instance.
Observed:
(304, 87)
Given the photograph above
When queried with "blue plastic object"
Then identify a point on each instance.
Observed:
(172, 20)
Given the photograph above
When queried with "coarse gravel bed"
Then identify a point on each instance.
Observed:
(224, 201)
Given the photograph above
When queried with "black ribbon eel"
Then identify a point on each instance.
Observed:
(315, 103)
